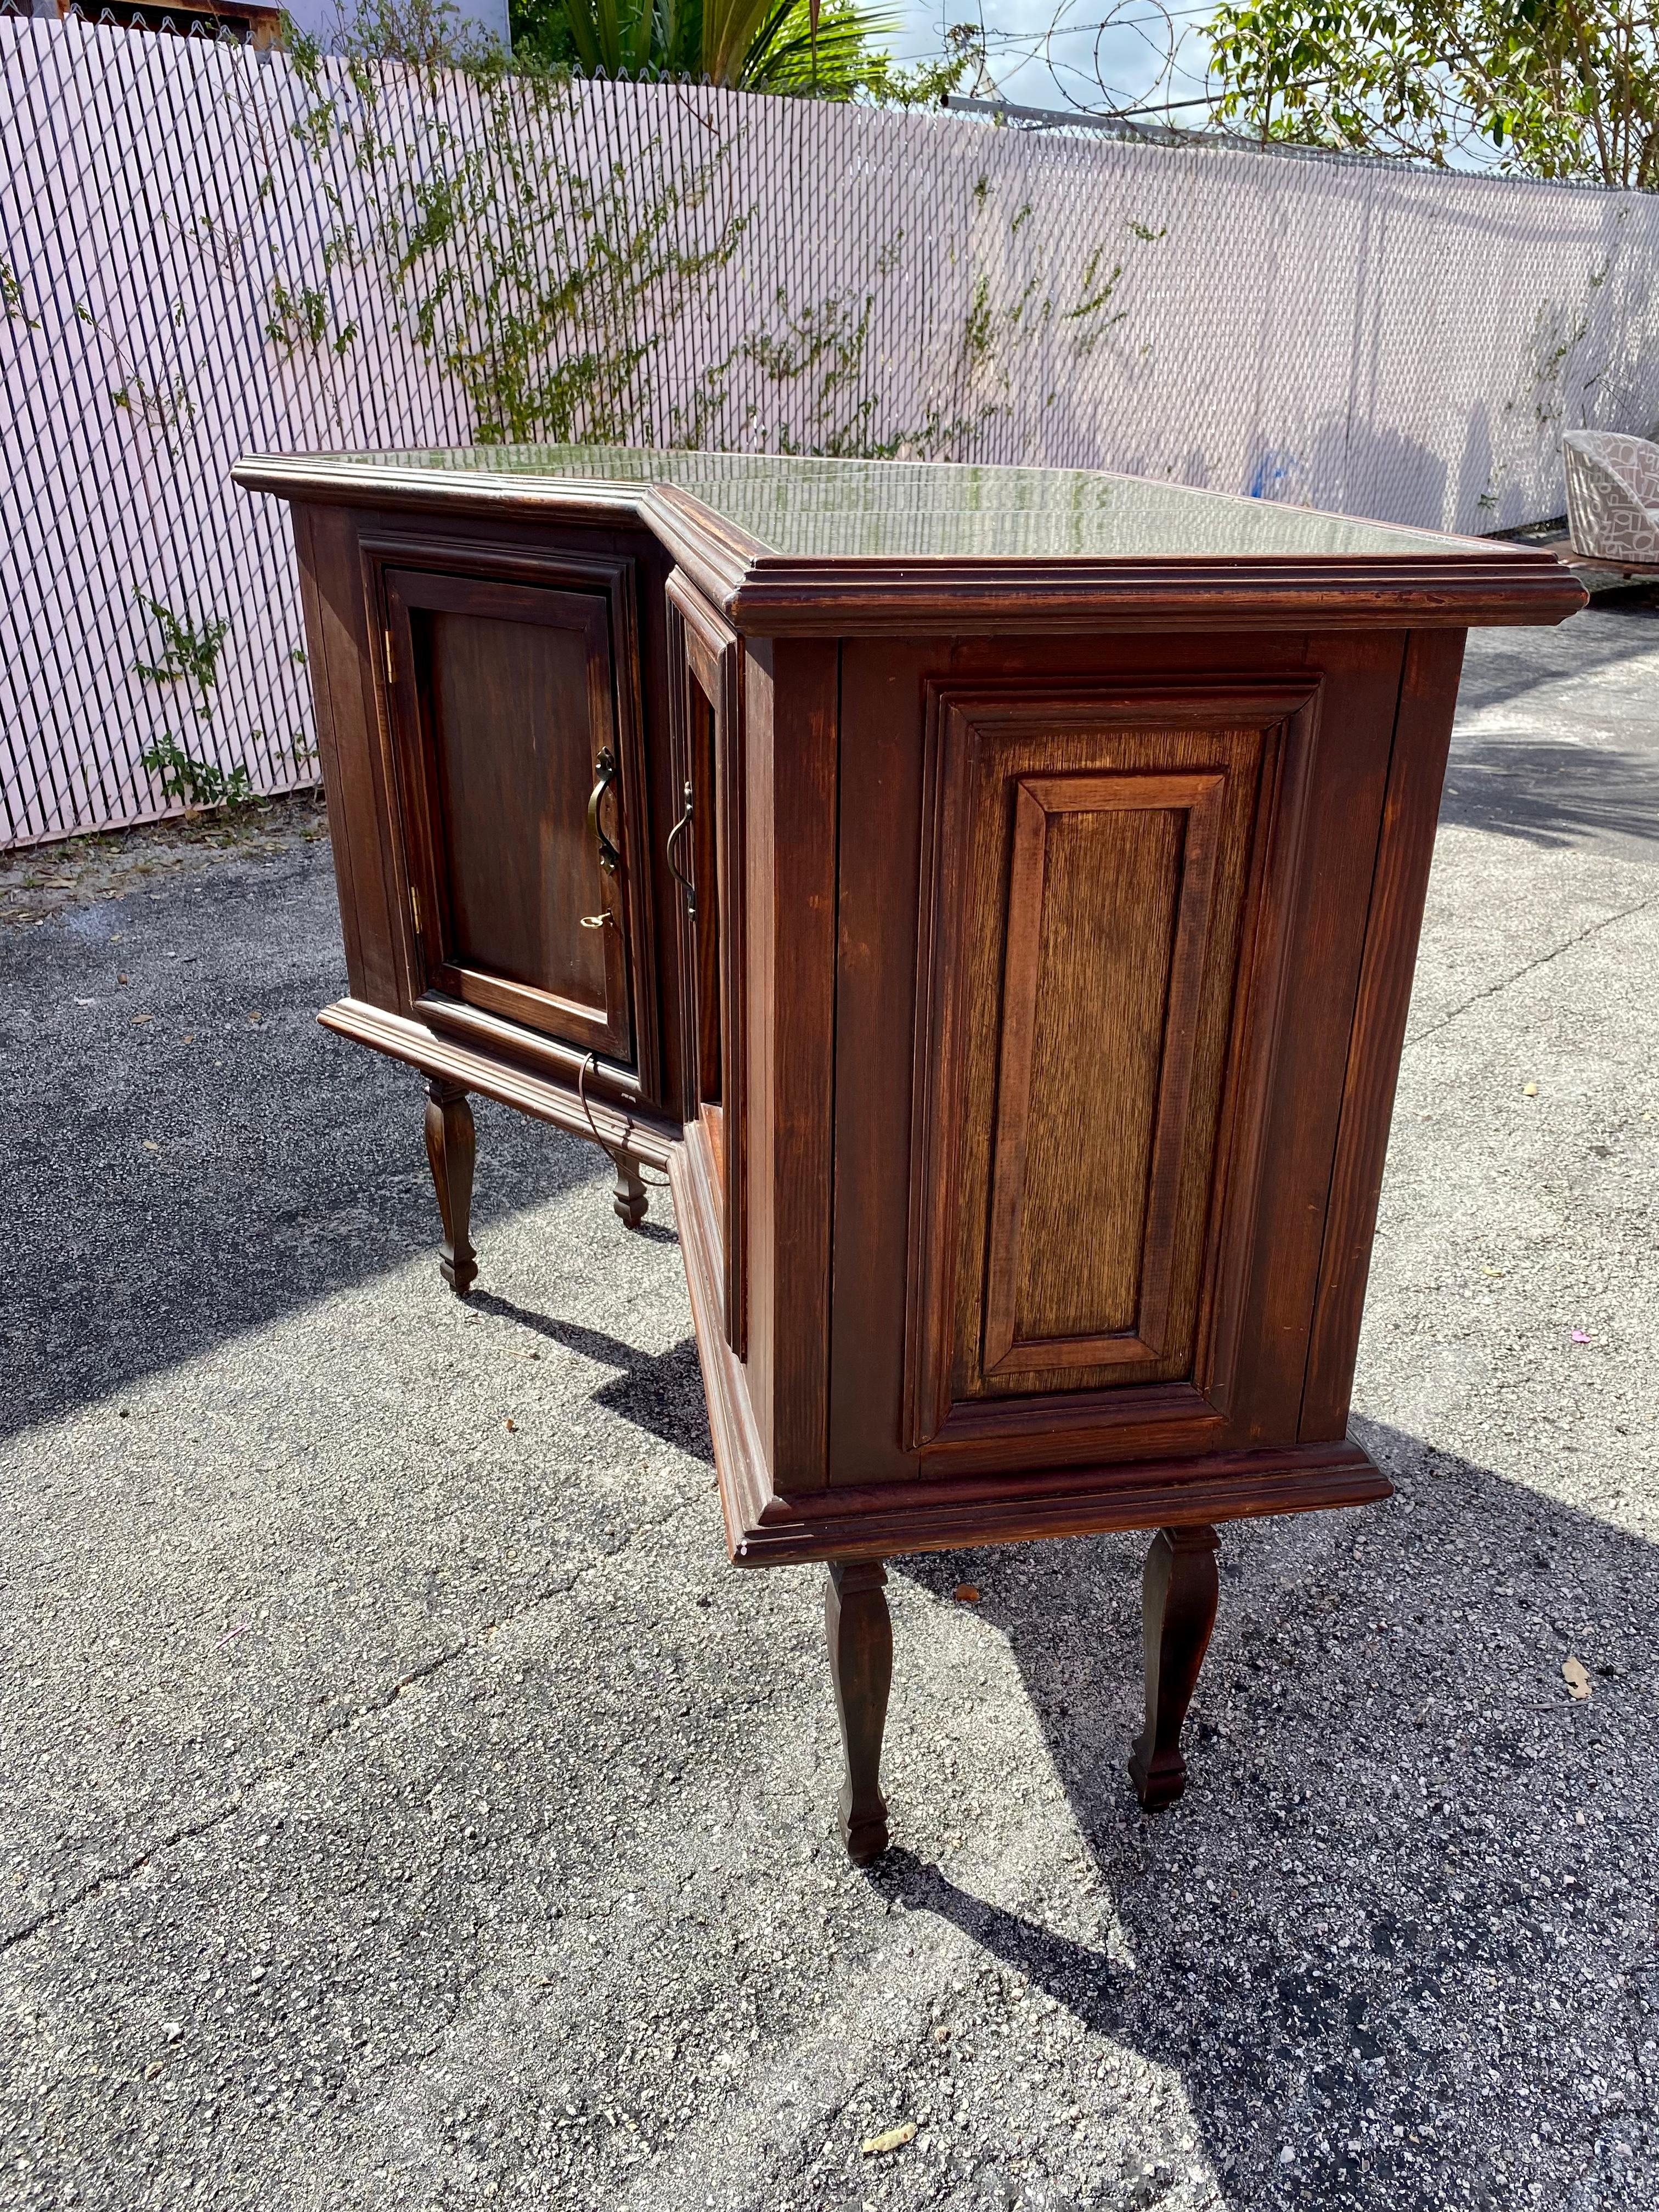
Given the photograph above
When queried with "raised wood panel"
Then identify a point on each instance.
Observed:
(1095, 862)
(515, 789)
(1108, 929)
(505, 697)
(622, 559)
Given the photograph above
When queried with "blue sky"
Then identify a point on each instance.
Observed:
(1131, 50)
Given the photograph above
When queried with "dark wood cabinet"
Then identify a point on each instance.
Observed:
(992, 895)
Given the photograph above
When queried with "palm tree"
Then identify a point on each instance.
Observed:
(810, 46)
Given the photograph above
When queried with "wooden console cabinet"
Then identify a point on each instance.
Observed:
(992, 896)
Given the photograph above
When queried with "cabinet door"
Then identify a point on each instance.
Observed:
(504, 705)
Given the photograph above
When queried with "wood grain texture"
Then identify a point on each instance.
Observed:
(1108, 934)
(643, 1134)
(345, 689)
(308, 530)
(1417, 767)
(884, 694)
(711, 682)
(880, 851)
(875, 1521)
(485, 1032)
(741, 1450)
(850, 1521)
(626, 564)
(1177, 979)
(775, 597)
(1141, 1018)
(509, 713)
(790, 783)
(1318, 907)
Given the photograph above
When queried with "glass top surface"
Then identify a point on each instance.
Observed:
(941, 510)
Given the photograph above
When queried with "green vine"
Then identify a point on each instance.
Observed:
(190, 655)
(190, 651)
(184, 775)
(11, 299)
(548, 293)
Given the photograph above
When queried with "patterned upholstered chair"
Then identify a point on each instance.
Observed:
(1613, 497)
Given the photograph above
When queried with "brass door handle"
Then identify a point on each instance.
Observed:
(675, 870)
(605, 767)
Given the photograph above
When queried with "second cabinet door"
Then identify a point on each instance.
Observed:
(504, 703)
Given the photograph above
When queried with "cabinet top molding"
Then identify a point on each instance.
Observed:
(798, 545)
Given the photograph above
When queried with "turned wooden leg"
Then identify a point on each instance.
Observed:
(859, 1633)
(630, 1200)
(1177, 1608)
(451, 1146)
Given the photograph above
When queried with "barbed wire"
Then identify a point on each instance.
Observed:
(1152, 62)
(1103, 61)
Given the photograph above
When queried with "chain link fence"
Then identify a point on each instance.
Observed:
(208, 249)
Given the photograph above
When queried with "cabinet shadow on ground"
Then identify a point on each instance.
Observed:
(657, 1391)
(1374, 1919)
(1555, 794)
(261, 1215)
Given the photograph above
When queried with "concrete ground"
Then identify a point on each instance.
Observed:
(405, 1805)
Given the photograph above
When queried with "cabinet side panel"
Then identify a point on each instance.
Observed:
(882, 757)
(339, 827)
(761, 950)
(790, 932)
(1428, 700)
(359, 806)
(1343, 821)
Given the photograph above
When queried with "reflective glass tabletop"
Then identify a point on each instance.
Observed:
(824, 509)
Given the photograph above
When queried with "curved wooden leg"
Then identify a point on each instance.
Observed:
(630, 1200)
(860, 1633)
(451, 1146)
(1177, 1602)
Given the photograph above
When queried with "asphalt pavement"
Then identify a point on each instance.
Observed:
(403, 1804)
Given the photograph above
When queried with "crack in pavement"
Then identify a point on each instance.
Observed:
(187, 1831)
(1592, 929)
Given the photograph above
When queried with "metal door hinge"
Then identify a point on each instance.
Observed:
(387, 637)
(415, 908)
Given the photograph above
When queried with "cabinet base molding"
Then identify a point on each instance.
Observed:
(642, 1136)
(879, 1521)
